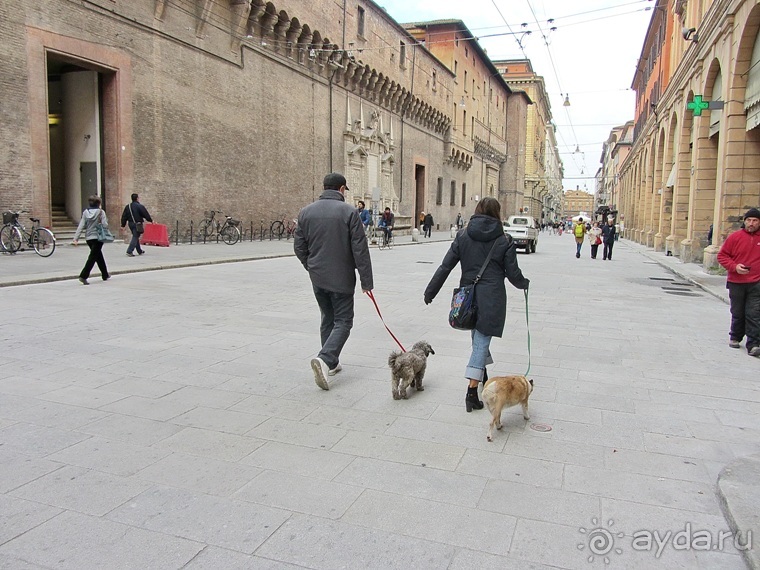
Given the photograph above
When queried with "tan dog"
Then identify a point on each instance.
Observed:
(504, 392)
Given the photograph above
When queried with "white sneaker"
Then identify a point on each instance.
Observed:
(320, 372)
(335, 370)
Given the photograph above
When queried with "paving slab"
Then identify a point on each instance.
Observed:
(739, 492)
(195, 437)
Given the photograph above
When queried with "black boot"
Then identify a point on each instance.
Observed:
(485, 376)
(471, 401)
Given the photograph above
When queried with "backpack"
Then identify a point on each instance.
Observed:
(579, 230)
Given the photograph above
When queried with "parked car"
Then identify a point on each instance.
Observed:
(524, 231)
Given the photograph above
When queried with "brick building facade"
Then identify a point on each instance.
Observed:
(689, 171)
(238, 105)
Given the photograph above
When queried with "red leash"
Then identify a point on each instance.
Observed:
(371, 296)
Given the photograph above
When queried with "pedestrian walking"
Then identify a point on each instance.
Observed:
(740, 255)
(459, 221)
(135, 214)
(364, 215)
(331, 244)
(427, 225)
(421, 219)
(470, 249)
(91, 217)
(595, 239)
(608, 237)
(579, 231)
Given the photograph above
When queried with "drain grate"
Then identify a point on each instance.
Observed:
(683, 284)
(675, 289)
(662, 278)
(427, 262)
(684, 293)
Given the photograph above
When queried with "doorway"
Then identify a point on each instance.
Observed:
(419, 194)
(75, 134)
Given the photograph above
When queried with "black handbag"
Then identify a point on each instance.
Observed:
(464, 311)
(139, 227)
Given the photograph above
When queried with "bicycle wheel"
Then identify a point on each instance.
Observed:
(230, 235)
(43, 242)
(10, 238)
(277, 229)
(382, 242)
(205, 229)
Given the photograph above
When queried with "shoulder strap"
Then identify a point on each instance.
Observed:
(131, 213)
(485, 263)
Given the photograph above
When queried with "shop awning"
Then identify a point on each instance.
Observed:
(671, 178)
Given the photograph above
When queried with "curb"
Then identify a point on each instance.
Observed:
(176, 265)
(738, 490)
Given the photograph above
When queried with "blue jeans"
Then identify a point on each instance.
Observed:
(337, 311)
(479, 357)
(578, 245)
(135, 242)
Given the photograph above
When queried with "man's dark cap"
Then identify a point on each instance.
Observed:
(752, 213)
(334, 180)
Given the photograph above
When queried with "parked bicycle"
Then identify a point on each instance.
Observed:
(283, 227)
(14, 236)
(229, 231)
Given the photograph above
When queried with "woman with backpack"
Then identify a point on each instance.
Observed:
(579, 231)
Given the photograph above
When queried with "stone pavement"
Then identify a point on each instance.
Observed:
(169, 419)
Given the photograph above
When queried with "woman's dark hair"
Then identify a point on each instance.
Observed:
(489, 207)
(94, 201)
(361, 203)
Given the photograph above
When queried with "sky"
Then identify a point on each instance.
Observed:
(591, 57)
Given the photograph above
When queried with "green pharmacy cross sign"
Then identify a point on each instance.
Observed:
(697, 105)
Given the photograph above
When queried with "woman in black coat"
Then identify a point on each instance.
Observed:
(470, 248)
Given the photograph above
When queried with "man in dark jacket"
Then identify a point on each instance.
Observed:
(428, 225)
(608, 239)
(331, 244)
(135, 214)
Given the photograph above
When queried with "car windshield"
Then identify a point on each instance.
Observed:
(520, 221)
